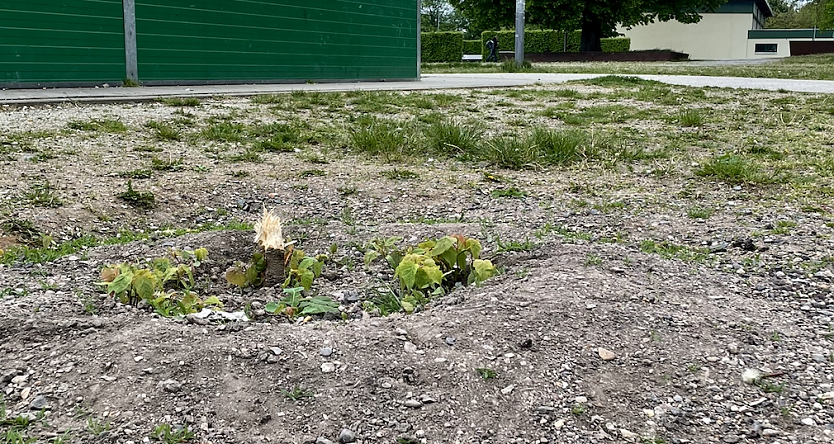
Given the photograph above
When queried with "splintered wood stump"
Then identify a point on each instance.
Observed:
(274, 273)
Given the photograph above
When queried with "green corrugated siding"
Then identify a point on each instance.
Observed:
(61, 41)
(215, 40)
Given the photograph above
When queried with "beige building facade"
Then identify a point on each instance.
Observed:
(721, 35)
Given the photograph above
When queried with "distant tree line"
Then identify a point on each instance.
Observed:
(795, 14)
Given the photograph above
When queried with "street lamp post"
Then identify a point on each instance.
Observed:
(519, 32)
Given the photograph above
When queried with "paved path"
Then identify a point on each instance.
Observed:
(429, 81)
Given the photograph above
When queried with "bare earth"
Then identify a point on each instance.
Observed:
(591, 341)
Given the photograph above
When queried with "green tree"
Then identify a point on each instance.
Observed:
(596, 18)
(438, 15)
(789, 15)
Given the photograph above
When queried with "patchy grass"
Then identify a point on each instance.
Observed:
(815, 67)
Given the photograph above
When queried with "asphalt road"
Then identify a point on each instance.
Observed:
(428, 81)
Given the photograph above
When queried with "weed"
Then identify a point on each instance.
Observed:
(486, 373)
(138, 199)
(560, 147)
(293, 304)
(181, 101)
(510, 66)
(783, 227)
(248, 155)
(129, 83)
(592, 260)
(578, 410)
(169, 435)
(693, 368)
(297, 394)
(170, 164)
(43, 195)
(514, 245)
(224, 132)
(734, 169)
(775, 336)
(164, 131)
(450, 138)
(347, 191)
(165, 284)
(240, 174)
(311, 173)
(148, 149)
(770, 387)
(378, 137)
(102, 125)
(511, 192)
(88, 301)
(699, 212)
(398, 174)
(385, 299)
(136, 174)
(611, 81)
(97, 427)
(690, 118)
(669, 250)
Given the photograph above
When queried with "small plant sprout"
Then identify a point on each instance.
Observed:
(297, 393)
(486, 373)
(171, 435)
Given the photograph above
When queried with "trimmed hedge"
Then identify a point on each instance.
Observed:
(472, 47)
(550, 40)
(618, 44)
(441, 46)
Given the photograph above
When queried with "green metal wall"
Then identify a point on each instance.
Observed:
(260, 40)
(65, 41)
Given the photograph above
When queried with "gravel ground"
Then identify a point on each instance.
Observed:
(590, 336)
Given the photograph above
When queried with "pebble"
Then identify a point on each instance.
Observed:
(275, 350)
(606, 355)
(170, 385)
(19, 379)
(326, 351)
(507, 390)
(25, 393)
(138, 358)
(770, 432)
(628, 434)
(38, 403)
(410, 347)
(323, 440)
(413, 403)
(347, 436)
(809, 421)
(450, 340)
(328, 367)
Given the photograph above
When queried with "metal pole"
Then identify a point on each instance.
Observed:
(519, 32)
(131, 65)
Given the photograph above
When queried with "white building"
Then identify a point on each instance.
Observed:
(734, 31)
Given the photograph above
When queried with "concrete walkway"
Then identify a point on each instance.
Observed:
(429, 81)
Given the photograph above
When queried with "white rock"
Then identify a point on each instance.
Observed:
(627, 434)
(328, 367)
(507, 390)
(580, 399)
(809, 421)
(606, 355)
(410, 347)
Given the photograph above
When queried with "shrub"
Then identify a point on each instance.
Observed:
(441, 46)
(551, 40)
(616, 44)
(472, 47)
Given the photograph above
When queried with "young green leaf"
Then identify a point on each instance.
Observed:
(318, 305)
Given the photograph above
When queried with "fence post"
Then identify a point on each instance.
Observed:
(131, 64)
